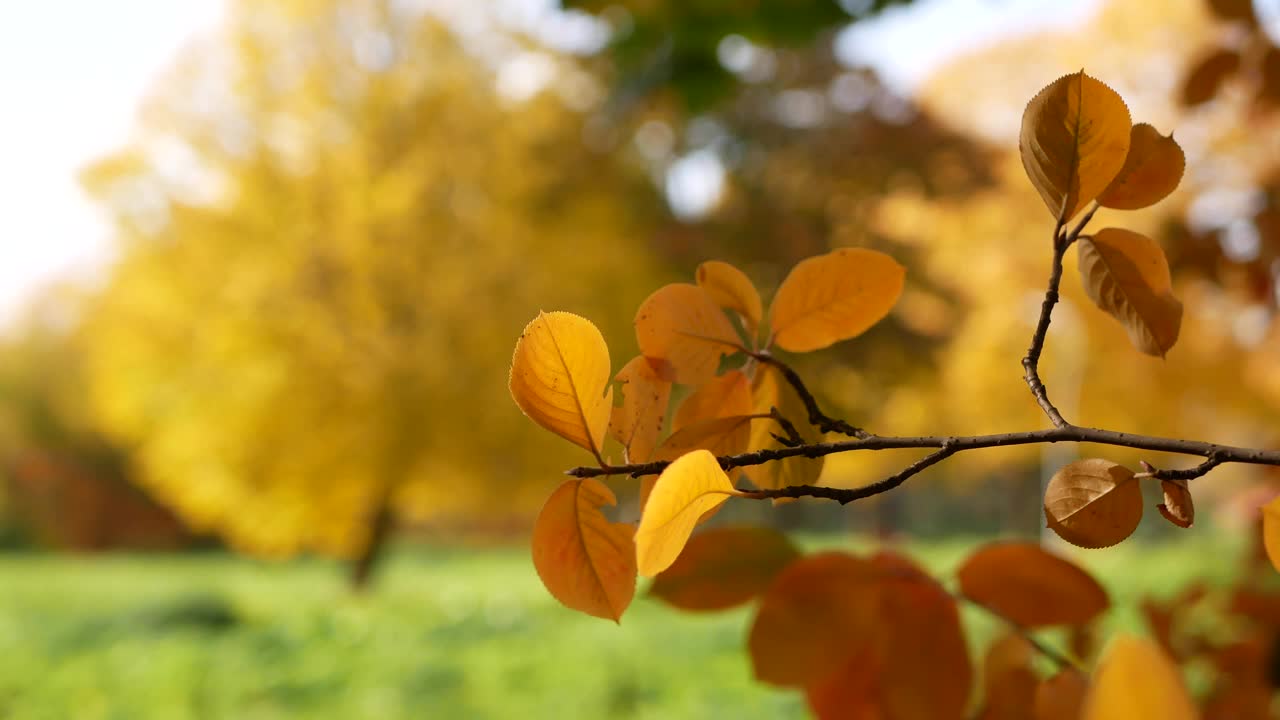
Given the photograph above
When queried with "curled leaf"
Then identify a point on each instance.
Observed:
(1152, 169)
(732, 290)
(585, 561)
(1093, 503)
(833, 297)
(1177, 507)
(1127, 276)
(1135, 679)
(1074, 139)
(637, 422)
(724, 567)
(682, 324)
(723, 396)
(558, 377)
(1030, 587)
(689, 488)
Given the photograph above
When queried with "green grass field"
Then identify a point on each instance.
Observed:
(447, 634)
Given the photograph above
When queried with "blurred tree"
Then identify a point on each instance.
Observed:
(331, 227)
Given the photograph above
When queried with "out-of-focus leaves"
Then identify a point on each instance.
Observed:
(1074, 139)
(1031, 587)
(1127, 276)
(1152, 169)
(1093, 503)
(834, 297)
(681, 324)
(585, 561)
(1008, 679)
(724, 567)
(637, 422)
(1205, 79)
(1271, 531)
(559, 375)
(690, 487)
(1135, 679)
(1061, 697)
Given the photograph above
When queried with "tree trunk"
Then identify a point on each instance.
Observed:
(366, 562)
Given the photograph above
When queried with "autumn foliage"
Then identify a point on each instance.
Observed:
(873, 636)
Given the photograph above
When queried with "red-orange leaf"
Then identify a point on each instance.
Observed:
(1061, 697)
(585, 561)
(724, 567)
(1030, 587)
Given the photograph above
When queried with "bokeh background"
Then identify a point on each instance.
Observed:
(264, 263)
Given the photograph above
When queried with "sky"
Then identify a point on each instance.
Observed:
(74, 71)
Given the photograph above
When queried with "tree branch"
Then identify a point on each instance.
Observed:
(1213, 461)
(817, 418)
(844, 496)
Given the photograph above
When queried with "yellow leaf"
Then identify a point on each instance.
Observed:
(637, 422)
(1075, 135)
(691, 486)
(585, 561)
(724, 567)
(558, 378)
(726, 395)
(1093, 503)
(1062, 696)
(721, 436)
(770, 389)
(1030, 587)
(1127, 276)
(682, 324)
(1177, 507)
(833, 297)
(732, 290)
(1152, 169)
(1271, 531)
(1135, 679)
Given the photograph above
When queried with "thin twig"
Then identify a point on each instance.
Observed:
(793, 438)
(817, 418)
(844, 495)
(1031, 362)
(1060, 659)
(1190, 473)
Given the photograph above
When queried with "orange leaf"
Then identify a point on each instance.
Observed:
(724, 567)
(689, 488)
(1075, 135)
(637, 422)
(912, 664)
(1127, 276)
(724, 396)
(769, 389)
(585, 561)
(722, 436)
(1271, 531)
(1030, 587)
(1177, 507)
(1008, 679)
(1062, 696)
(682, 324)
(1093, 503)
(833, 297)
(558, 378)
(732, 290)
(1152, 169)
(814, 616)
(1135, 679)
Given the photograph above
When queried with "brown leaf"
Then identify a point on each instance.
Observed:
(1093, 503)
(1152, 169)
(1075, 135)
(1127, 276)
(1206, 77)
(1030, 587)
(1233, 9)
(1008, 679)
(585, 561)
(724, 567)
(1269, 89)
(1177, 507)
(637, 422)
